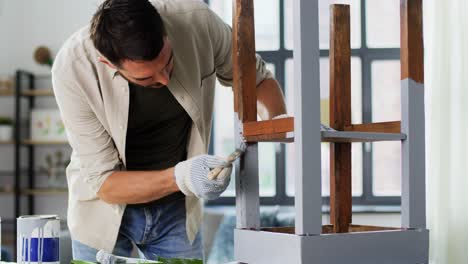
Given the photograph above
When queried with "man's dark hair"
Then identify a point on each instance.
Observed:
(127, 30)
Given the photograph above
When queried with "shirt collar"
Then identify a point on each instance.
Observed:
(114, 73)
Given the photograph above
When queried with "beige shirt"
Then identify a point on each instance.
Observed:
(94, 101)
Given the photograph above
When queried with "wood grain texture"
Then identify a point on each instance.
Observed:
(244, 61)
(268, 127)
(276, 137)
(381, 127)
(340, 116)
(412, 47)
(340, 186)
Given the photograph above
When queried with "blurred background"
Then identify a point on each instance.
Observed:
(33, 156)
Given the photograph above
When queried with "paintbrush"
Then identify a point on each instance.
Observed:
(230, 159)
(106, 258)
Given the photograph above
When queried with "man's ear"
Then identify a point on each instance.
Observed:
(108, 63)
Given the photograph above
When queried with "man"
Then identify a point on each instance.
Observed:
(135, 89)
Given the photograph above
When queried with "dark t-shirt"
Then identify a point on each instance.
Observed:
(158, 129)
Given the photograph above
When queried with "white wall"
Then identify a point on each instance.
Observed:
(25, 25)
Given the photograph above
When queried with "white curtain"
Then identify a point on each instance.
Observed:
(446, 69)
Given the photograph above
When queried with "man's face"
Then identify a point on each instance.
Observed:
(155, 73)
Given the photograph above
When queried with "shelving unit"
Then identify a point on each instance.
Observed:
(26, 90)
(7, 93)
(6, 191)
(38, 92)
(36, 142)
(24, 174)
(44, 191)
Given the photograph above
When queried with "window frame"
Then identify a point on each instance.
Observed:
(367, 55)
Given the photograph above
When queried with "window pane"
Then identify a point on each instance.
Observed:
(267, 168)
(324, 22)
(223, 138)
(356, 105)
(266, 21)
(290, 171)
(386, 107)
(223, 128)
(383, 23)
(356, 171)
(386, 164)
(385, 90)
(356, 89)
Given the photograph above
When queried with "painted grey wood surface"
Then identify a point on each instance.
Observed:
(345, 136)
(307, 161)
(384, 247)
(266, 247)
(348, 136)
(247, 185)
(413, 176)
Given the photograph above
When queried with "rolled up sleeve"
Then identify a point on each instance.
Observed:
(221, 35)
(92, 144)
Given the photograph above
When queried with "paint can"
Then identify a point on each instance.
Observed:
(37, 239)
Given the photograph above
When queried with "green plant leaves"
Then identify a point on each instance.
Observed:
(180, 261)
(81, 262)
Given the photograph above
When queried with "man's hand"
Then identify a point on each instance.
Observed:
(192, 176)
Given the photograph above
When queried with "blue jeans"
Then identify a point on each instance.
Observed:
(156, 230)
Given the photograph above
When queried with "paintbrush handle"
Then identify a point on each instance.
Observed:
(231, 158)
(214, 173)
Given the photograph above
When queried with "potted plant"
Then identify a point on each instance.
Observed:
(55, 168)
(6, 129)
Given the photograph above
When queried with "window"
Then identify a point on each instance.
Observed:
(266, 21)
(356, 105)
(223, 141)
(386, 156)
(375, 85)
(383, 23)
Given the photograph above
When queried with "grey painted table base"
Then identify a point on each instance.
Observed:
(385, 247)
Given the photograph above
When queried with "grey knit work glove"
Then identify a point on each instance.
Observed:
(192, 176)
